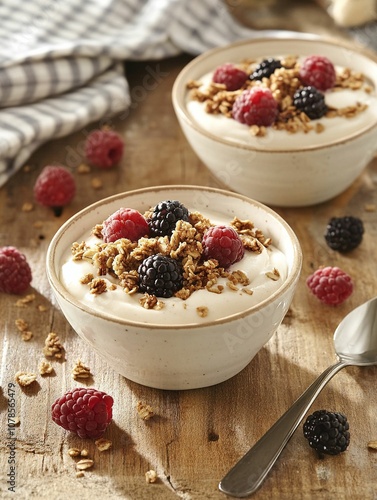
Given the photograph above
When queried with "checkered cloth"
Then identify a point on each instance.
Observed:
(61, 62)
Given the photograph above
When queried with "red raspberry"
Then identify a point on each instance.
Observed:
(86, 412)
(125, 223)
(15, 272)
(318, 71)
(104, 148)
(55, 187)
(223, 244)
(331, 285)
(255, 106)
(229, 75)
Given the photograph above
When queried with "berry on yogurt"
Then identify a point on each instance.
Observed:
(255, 106)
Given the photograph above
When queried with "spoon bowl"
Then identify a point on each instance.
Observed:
(355, 341)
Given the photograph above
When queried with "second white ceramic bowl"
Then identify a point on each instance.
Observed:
(287, 177)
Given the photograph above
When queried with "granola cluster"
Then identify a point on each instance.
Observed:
(121, 259)
(283, 83)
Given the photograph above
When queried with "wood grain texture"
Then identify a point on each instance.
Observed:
(196, 436)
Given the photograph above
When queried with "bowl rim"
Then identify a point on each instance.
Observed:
(181, 80)
(58, 287)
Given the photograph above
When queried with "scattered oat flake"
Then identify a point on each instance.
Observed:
(103, 444)
(38, 224)
(73, 452)
(41, 308)
(80, 473)
(370, 207)
(15, 421)
(151, 476)
(372, 445)
(27, 207)
(24, 378)
(84, 452)
(96, 183)
(85, 463)
(80, 371)
(26, 336)
(145, 411)
(21, 325)
(83, 168)
(25, 300)
(53, 348)
(45, 368)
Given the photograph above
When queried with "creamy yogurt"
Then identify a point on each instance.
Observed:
(122, 305)
(336, 128)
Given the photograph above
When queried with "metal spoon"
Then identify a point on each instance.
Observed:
(355, 341)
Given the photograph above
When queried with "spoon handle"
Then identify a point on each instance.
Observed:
(248, 474)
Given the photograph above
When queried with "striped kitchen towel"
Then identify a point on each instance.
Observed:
(61, 62)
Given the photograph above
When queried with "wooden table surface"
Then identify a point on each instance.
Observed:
(196, 435)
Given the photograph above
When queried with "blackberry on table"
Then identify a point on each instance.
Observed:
(310, 101)
(265, 69)
(344, 233)
(160, 275)
(327, 432)
(165, 216)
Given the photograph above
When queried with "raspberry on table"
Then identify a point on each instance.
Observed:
(255, 106)
(124, 223)
(344, 233)
(84, 411)
(229, 75)
(317, 71)
(310, 101)
(223, 244)
(265, 68)
(160, 275)
(165, 216)
(15, 272)
(104, 148)
(330, 285)
(327, 432)
(55, 187)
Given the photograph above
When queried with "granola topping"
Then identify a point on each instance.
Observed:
(351, 105)
(106, 274)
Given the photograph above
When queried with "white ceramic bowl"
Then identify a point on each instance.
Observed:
(298, 176)
(172, 356)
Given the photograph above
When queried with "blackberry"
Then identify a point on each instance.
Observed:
(165, 216)
(344, 233)
(310, 101)
(265, 69)
(160, 275)
(327, 432)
